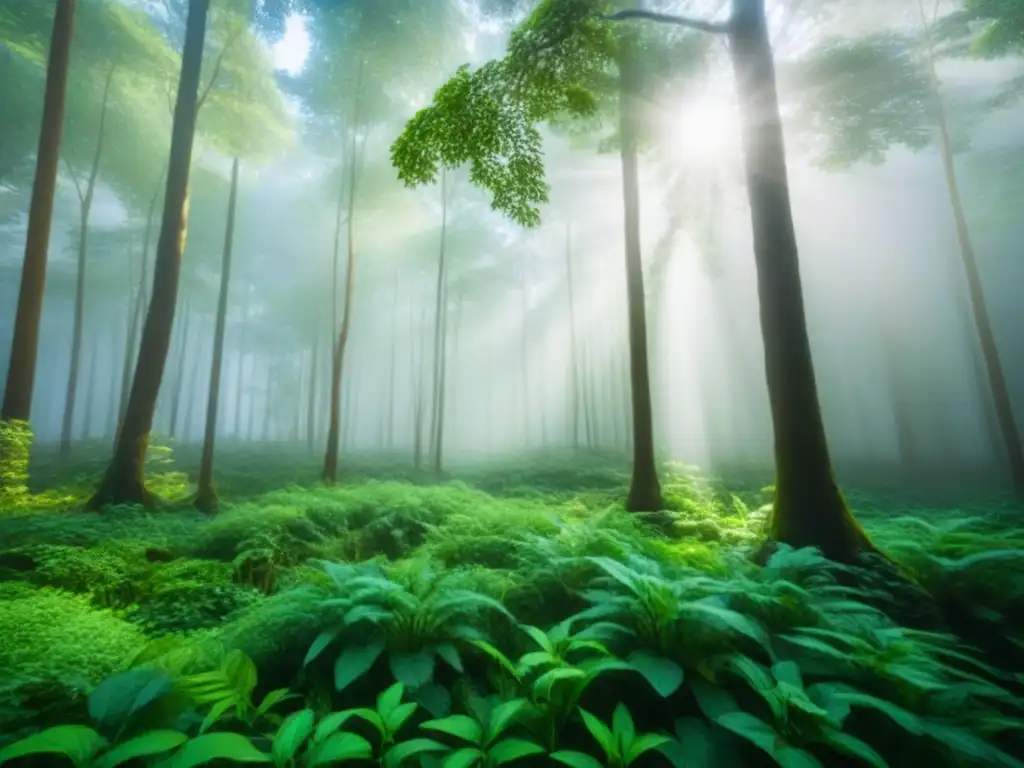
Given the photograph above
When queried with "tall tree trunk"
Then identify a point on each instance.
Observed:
(179, 380)
(268, 404)
(1014, 451)
(240, 373)
(85, 198)
(645, 490)
(439, 320)
(206, 494)
(132, 340)
(392, 372)
(524, 343)
(418, 386)
(124, 481)
(330, 470)
(21, 370)
(809, 509)
(442, 386)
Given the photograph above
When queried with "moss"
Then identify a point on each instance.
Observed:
(15, 445)
(54, 646)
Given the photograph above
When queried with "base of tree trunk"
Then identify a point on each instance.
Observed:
(207, 501)
(803, 516)
(120, 485)
(644, 494)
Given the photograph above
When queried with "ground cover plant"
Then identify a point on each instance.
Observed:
(398, 622)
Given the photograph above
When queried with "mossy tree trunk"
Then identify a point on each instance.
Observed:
(17, 402)
(206, 494)
(645, 489)
(124, 481)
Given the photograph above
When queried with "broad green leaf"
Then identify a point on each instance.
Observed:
(503, 716)
(788, 672)
(908, 721)
(433, 698)
(851, 745)
(512, 749)
(291, 735)
(754, 730)
(396, 718)
(340, 747)
(713, 701)
(539, 637)
(217, 746)
(576, 759)
(450, 654)
(321, 642)
(533, 659)
(467, 757)
(389, 699)
(401, 752)
(329, 724)
(272, 699)
(241, 671)
(622, 725)
(354, 662)
(601, 733)
(544, 683)
(645, 742)
(664, 675)
(498, 656)
(792, 757)
(412, 669)
(145, 745)
(78, 742)
(370, 716)
(118, 697)
(459, 726)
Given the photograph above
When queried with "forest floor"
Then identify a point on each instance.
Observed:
(522, 596)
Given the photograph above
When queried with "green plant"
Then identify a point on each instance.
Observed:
(484, 732)
(621, 744)
(15, 445)
(415, 621)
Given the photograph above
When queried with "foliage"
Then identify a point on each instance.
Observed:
(15, 444)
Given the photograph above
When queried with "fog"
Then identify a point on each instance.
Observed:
(526, 368)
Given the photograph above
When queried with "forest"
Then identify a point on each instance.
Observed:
(662, 410)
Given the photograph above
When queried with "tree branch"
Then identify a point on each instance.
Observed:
(74, 178)
(216, 68)
(715, 27)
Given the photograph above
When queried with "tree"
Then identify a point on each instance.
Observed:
(124, 480)
(563, 61)
(17, 402)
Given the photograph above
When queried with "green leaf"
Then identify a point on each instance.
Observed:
(792, 757)
(622, 725)
(272, 699)
(459, 726)
(241, 671)
(575, 759)
(601, 733)
(330, 723)
(503, 716)
(645, 742)
(396, 718)
(354, 662)
(533, 659)
(291, 735)
(78, 742)
(412, 748)
(217, 746)
(450, 654)
(321, 642)
(389, 699)
(712, 700)
(433, 698)
(754, 730)
(370, 716)
(412, 669)
(539, 637)
(467, 757)
(216, 712)
(144, 745)
(664, 675)
(851, 745)
(119, 697)
(788, 672)
(341, 747)
(503, 661)
(507, 750)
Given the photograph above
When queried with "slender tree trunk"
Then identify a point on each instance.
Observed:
(392, 370)
(240, 380)
(206, 494)
(809, 509)
(179, 380)
(330, 470)
(268, 404)
(21, 369)
(442, 386)
(645, 490)
(124, 481)
(1014, 451)
(574, 364)
(439, 320)
(418, 386)
(250, 425)
(85, 200)
(524, 343)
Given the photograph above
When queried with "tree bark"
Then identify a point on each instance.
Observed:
(809, 509)
(437, 417)
(645, 489)
(314, 373)
(21, 370)
(330, 470)
(180, 379)
(206, 494)
(90, 391)
(1014, 450)
(85, 201)
(124, 481)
